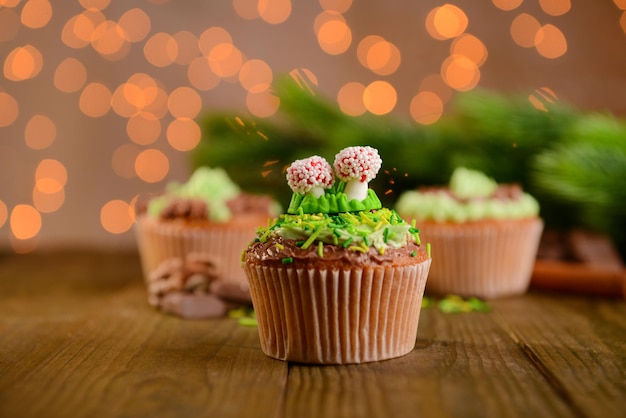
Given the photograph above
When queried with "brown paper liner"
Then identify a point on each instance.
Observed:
(160, 240)
(340, 316)
(487, 259)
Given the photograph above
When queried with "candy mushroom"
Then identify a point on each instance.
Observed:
(357, 166)
(310, 176)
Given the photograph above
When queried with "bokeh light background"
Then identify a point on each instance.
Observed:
(99, 99)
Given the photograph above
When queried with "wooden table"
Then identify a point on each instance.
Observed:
(78, 339)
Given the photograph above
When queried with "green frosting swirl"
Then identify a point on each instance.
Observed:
(473, 202)
(212, 185)
(332, 203)
(353, 230)
(471, 184)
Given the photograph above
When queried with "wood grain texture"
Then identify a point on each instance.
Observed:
(78, 339)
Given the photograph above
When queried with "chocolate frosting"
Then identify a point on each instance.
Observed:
(277, 250)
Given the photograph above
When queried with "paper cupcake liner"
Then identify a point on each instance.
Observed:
(337, 316)
(158, 241)
(483, 259)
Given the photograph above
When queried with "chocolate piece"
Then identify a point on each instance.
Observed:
(193, 306)
(594, 249)
(230, 291)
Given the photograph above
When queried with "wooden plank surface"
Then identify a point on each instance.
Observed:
(78, 339)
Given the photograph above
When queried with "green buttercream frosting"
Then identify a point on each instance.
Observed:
(212, 185)
(471, 200)
(471, 184)
(354, 230)
(332, 203)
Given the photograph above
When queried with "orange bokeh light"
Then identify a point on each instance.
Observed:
(246, 9)
(95, 100)
(350, 99)
(380, 97)
(262, 105)
(550, 42)
(225, 60)
(184, 102)
(25, 222)
(378, 55)
(95, 4)
(445, 22)
(274, 11)
(10, 109)
(161, 49)
(136, 24)
(426, 107)
(212, 37)
(471, 47)
(183, 134)
(187, 47)
(116, 216)
(50, 176)
(48, 202)
(524, 29)
(78, 31)
(40, 132)
(36, 13)
(9, 3)
(23, 63)
(555, 7)
(152, 165)
(334, 37)
(70, 75)
(201, 76)
(143, 128)
(255, 76)
(460, 72)
(507, 4)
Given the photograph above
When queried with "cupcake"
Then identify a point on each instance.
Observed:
(337, 279)
(486, 235)
(190, 239)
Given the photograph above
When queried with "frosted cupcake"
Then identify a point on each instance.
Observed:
(486, 235)
(337, 279)
(207, 218)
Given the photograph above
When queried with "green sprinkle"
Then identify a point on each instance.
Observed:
(287, 260)
(237, 313)
(386, 235)
(358, 248)
(347, 243)
(456, 304)
(320, 249)
(266, 234)
(366, 241)
(413, 254)
(416, 236)
(248, 322)
(428, 249)
(312, 237)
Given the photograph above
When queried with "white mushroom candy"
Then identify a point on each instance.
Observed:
(310, 176)
(357, 166)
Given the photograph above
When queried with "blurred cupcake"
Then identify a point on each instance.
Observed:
(207, 219)
(485, 235)
(338, 279)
